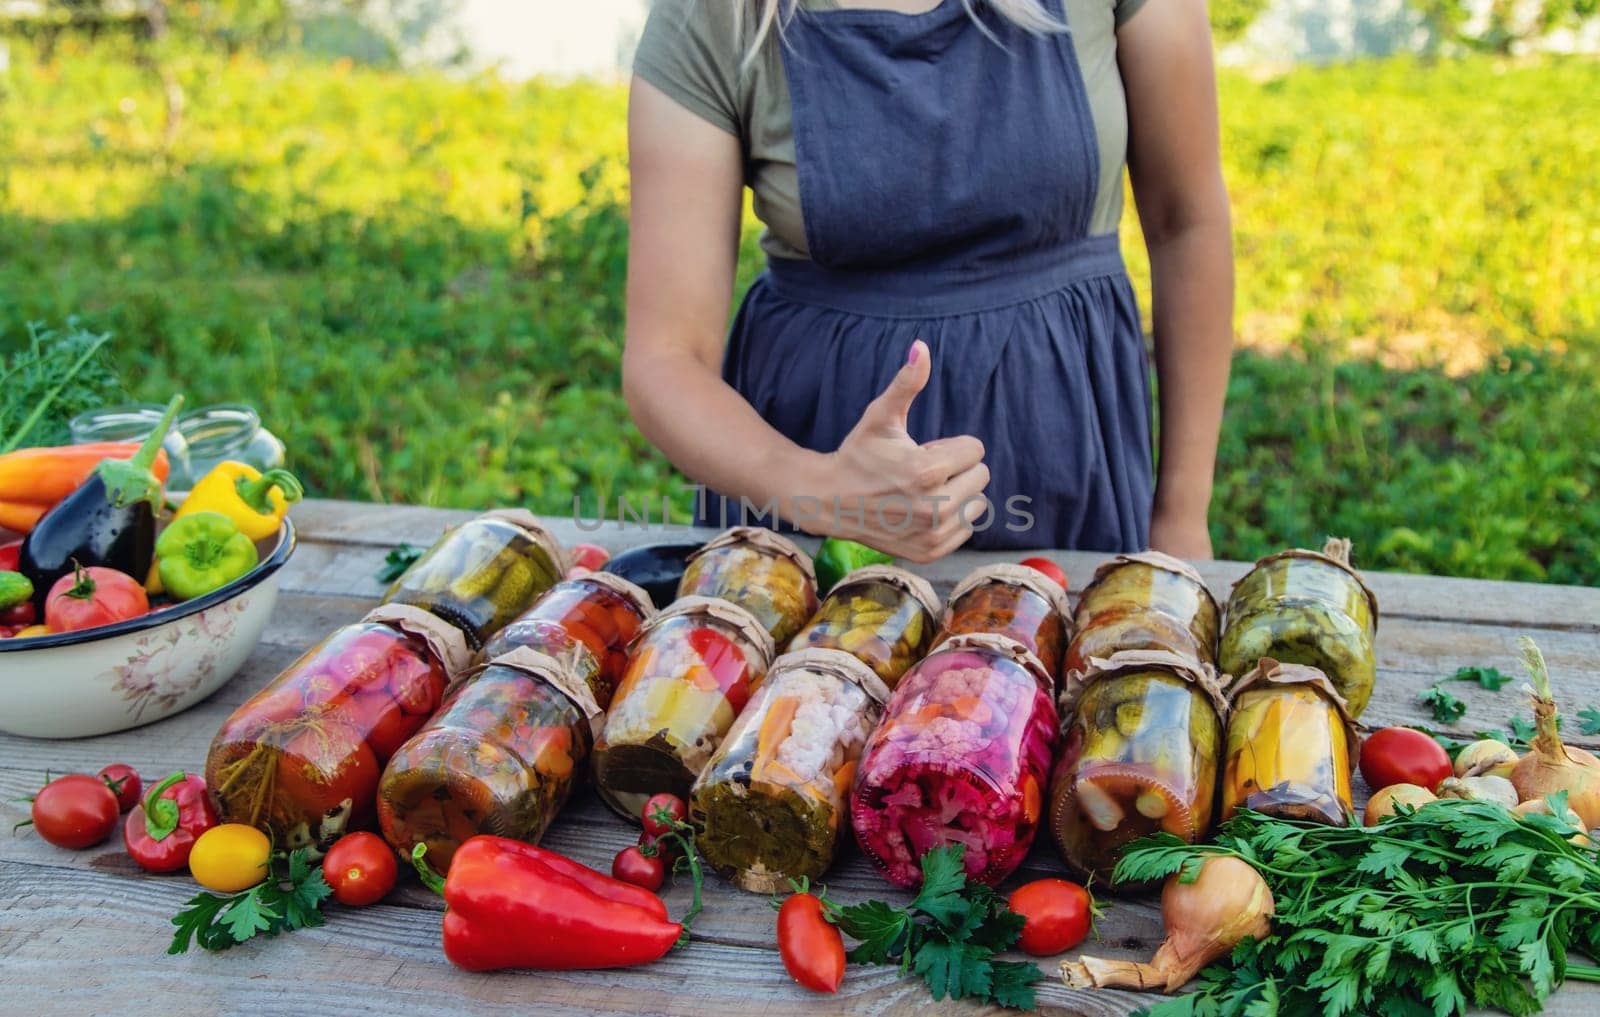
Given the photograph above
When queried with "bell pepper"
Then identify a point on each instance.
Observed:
(34, 480)
(836, 557)
(201, 552)
(514, 905)
(256, 501)
(161, 832)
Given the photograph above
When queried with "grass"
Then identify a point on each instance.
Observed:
(418, 281)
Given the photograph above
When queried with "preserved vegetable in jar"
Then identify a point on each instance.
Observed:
(773, 802)
(1147, 601)
(482, 574)
(1141, 755)
(500, 757)
(1306, 607)
(1014, 601)
(760, 571)
(690, 672)
(300, 760)
(586, 623)
(1290, 750)
(961, 757)
(881, 615)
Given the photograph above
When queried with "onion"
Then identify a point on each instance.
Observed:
(1381, 805)
(1486, 758)
(1550, 766)
(1541, 807)
(1228, 903)
(1480, 789)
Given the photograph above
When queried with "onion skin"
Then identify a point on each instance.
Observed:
(1551, 766)
(1382, 805)
(1480, 789)
(1486, 758)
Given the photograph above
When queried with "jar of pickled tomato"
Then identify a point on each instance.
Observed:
(962, 756)
(1141, 755)
(772, 804)
(500, 757)
(300, 760)
(482, 574)
(762, 572)
(882, 615)
(1014, 601)
(586, 623)
(1291, 746)
(690, 672)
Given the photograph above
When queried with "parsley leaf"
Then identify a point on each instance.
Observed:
(1591, 720)
(1011, 983)
(944, 876)
(1447, 709)
(1488, 677)
(397, 561)
(290, 898)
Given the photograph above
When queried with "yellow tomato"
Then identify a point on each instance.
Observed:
(230, 858)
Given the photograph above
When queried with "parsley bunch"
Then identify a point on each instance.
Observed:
(290, 898)
(1453, 905)
(948, 935)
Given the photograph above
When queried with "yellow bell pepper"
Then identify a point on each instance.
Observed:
(255, 501)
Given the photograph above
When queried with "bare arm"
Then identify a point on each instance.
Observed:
(1174, 161)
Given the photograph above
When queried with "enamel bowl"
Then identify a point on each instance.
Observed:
(146, 669)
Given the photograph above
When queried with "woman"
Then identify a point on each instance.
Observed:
(945, 315)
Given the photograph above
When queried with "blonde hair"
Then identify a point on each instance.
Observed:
(1027, 14)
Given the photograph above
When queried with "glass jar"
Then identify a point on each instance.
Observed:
(1014, 601)
(133, 422)
(1306, 607)
(760, 571)
(772, 804)
(882, 615)
(690, 672)
(482, 574)
(1140, 756)
(1290, 746)
(228, 431)
(500, 757)
(586, 623)
(300, 759)
(961, 757)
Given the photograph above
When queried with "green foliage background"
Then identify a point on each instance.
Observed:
(419, 282)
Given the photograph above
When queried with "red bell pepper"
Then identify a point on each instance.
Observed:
(514, 905)
(161, 832)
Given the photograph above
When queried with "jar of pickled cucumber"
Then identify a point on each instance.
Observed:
(1306, 607)
(1014, 601)
(690, 673)
(962, 756)
(300, 759)
(762, 572)
(482, 574)
(500, 757)
(772, 804)
(882, 615)
(1141, 755)
(586, 623)
(1291, 746)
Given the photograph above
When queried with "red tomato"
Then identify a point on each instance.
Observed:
(416, 686)
(361, 869)
(10, 555)
(665, 848)
(326, 764)
(383, 722)
(634, 866)
(91, 597)
(669, 804)
(589, 556)
(810, 945)
(123, 781)
(1049, 568)
(1403, 755)
(75, 812)
(18, 616)
(1055, 915)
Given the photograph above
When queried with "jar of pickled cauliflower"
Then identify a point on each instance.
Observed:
(1014, 601)
(882, 615)
(762, 572)
(1291, 746)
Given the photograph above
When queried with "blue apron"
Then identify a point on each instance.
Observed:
(947, 180)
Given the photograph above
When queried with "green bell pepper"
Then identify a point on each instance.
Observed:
(202, 552)
(836, 557)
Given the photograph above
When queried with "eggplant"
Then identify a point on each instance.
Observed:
(109, 521)
(655, 568)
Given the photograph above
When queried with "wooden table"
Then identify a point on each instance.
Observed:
(86, 932)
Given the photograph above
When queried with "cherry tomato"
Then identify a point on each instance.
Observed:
(91, 597)
(18, 616)
(589, 556)
(1055, 915)
(386, 725)
(361, 868)
(1403, 755)
(670, 804)
(123, 781)
(810, 945)
(230, 857)
(634, 866)
(326, 765)
(75, 812)
(1049, 568)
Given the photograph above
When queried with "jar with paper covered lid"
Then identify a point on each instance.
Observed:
(883, 616)
(1291, 746)
(1146, 601)
(759, 570)
(1014, 601)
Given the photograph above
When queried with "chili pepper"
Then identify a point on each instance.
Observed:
(256, 501)
(109, 520)
(160, 833)
(202, 552)
(33, 480)
(513, 905)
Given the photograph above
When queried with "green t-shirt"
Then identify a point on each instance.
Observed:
(694, 51)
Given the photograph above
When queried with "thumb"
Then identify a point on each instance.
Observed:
(893, 404)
